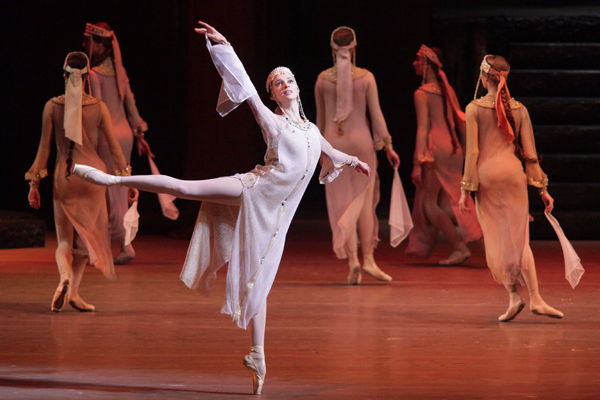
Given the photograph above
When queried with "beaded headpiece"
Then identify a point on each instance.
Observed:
(274, 73)
(426, 52)
(91, 29)
(351, 45)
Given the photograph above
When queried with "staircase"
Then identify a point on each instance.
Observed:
(555, 71)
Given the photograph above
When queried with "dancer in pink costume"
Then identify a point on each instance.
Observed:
(77, 121)
(438, 163)
(111, 85)
(343, 95)
(244, 218)
(499, 139)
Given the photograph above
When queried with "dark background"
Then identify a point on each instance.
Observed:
(176, 85)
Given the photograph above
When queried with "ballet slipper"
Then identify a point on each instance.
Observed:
(372, 269)
(60, 296)
(354, 278)
(458, 256)
(125, 256)
(512, 312)
(77, 303)
(545, 309)
(257, 367)
(95, 176)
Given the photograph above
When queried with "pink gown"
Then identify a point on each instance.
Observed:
(347, 195)
(80, 205)
(251, 237)
(126, 118)
(448, 169)
(502, 200)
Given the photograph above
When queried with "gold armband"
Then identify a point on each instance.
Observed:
(139, 132)
(542, 183)
(469, 186)
(385, 144)
(124, 172)
(34, 179)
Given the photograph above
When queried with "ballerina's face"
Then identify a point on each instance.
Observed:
(419, 65)
(92, 48)
(284, 88)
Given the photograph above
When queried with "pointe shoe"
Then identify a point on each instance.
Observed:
(458, 256)
(372, 269)
(512, 312)
(125, 256)
(545, 309)
(94, 175)
(258, 369)
(60, 296)
(80, 305)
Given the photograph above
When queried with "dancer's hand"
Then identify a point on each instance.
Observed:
(211, 32)
(34, 198)
(363, 167)
(132, 195)
(143, 147)
(548, 201)
(416, 175)
(393, 158)
(462, 203)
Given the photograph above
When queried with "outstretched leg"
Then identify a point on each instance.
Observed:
(255, 361)
(226, 190)
(537, 305)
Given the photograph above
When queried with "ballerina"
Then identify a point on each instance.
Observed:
(244, 218)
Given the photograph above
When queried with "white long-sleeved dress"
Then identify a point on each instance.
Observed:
(251, 237)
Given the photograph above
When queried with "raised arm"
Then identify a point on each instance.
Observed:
(38, 169)
(237, 86)
(381, 136)
(470, 180)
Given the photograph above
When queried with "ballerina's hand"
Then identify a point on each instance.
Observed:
(34, 198)
(393, 158)
(132, 195)
(211, 32)
(462, 203)
(363, 167)
(143, 147)
(416, 176)
(548, 201)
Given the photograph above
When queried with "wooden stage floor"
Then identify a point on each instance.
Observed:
(430, 334)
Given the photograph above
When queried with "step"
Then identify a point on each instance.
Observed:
(570, 196)
(559, 83)
(575, 225)
(563, 110)
(555, 55)
(572, 167)
(583, 139)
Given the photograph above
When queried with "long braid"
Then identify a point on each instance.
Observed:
(70, 160)
(436, 69)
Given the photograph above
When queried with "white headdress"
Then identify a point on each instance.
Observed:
(343, 87)
(119, 69)
(74, 99)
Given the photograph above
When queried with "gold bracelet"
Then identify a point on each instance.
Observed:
(470, 186)
(34, 183)
(34, 179)
(124, 172)
(543, 190)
